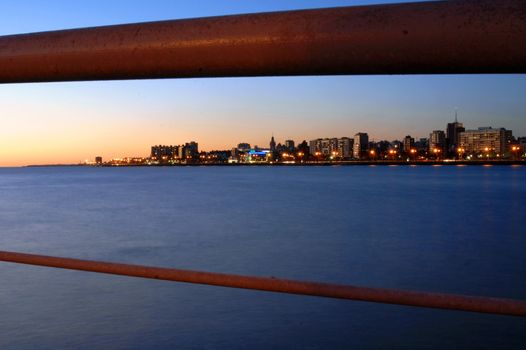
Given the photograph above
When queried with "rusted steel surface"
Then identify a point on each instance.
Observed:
(473, 36)
(378, 295)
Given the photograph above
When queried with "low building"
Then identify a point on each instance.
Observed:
(422, 145)
(257, 155)
(243, 147)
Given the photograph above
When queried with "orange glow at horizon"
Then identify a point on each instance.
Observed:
(67, 123)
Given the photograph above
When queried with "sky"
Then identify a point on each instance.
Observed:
(52, 123)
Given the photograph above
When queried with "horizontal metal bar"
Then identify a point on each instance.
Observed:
(470, 36)
(379, 295)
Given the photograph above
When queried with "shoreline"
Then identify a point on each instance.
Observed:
(327, 163)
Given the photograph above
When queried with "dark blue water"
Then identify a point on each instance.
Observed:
(445, 229)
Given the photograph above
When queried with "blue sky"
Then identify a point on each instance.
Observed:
(123, 118)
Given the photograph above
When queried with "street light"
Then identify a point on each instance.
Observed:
(460, 151)
(372, 154)
(486, 149)
(437, 152)
(515, 151)
(300, 156)
(412, 153)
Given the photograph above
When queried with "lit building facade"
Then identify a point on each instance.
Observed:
(314, 146)
(345, 145)
(437, 141)
(258, 156)
(164, 153)
(331, 147)
(486, 140)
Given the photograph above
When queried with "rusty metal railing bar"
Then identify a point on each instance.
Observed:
(468, 36)
(378, 295)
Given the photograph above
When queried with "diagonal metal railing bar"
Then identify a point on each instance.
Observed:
(378, 295)
(467, 36)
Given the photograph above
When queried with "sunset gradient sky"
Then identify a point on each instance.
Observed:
(69, 122)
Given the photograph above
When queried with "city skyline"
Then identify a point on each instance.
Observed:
(67, 122)
(205, 146)
(455, 143)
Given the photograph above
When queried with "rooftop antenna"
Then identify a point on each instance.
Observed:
(456, 110)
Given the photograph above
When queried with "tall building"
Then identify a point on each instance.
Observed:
(328, 146)
(289, 144)
(272, 144)
(361, 142)
(191, 150)
(304, 149)
(409, 142)
(314, 146)
(437, 141)
(453, 135)
(485, 140)
(345, 145)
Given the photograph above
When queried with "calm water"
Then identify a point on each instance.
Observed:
(445, 229)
